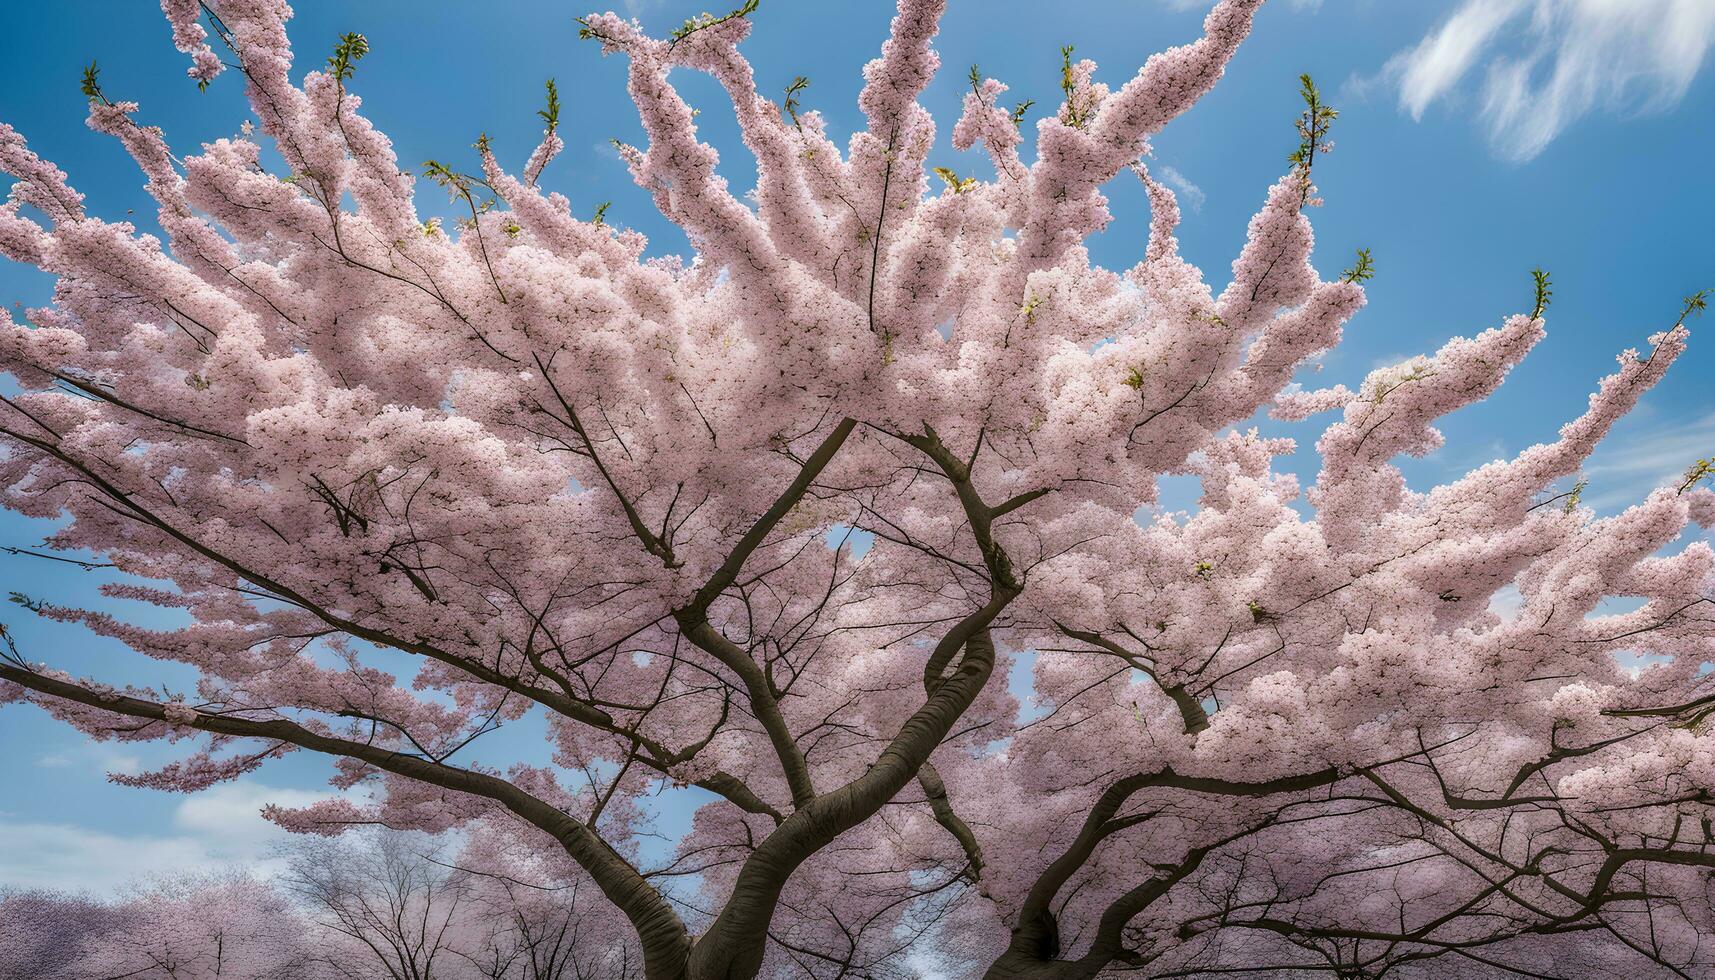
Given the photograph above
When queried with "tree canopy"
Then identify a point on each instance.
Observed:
(621, 493)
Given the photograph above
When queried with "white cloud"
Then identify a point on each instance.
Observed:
(1549, 62)
(62, 856)
(1625, 468)
(104, 757)
(1506, 602)
(1390, 361)
(218, 828)
(1189, 194)
(1431, 69)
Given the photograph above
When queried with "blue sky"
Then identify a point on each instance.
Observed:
(1477, 139)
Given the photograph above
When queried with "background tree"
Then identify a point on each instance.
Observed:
(388, 904)
(41, 932)
(381, 905)
(533, 914)
(558, 478)
(188, 928)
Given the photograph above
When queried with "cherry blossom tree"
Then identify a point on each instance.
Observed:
(386, 904)
(41, 931)
(623, 494)
(533, 914)
(178, 929)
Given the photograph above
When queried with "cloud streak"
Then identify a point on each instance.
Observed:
(1623, 471)
(1188, 193)
(1547, 63)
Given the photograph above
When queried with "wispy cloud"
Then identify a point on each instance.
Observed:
(102, 757)
(1546, 63)
(63, 856)
(1189, 194)
(216, 828)
(1623, 470)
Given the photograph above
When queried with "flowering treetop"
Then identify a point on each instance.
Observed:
(571, 480)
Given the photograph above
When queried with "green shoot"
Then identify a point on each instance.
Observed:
(1543, 293)
(346, 54)
(799, 84)
(1695, 303)
(1076, 116)
(1364, 271)
(1701, 470)
(704, 21)
(1313, 125)
(92, 84)
(551, 115)
(953, 180)
(1029, 308)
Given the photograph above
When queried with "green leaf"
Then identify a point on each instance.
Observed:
(346, 54)
(799, 84)
(1701, 470)
(1313, 125)
(1695, 303)
(91, 83)
(1029, 308)
(551, 115)
(704, 21)
(1363, 271)
(1076, 116)
(953, 180)
(1543, 293)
